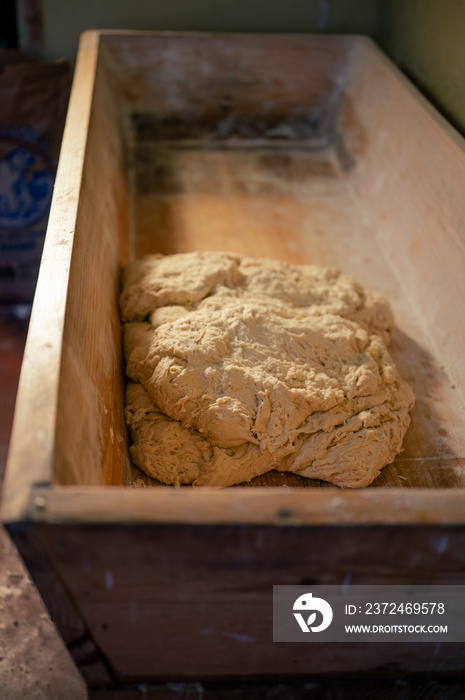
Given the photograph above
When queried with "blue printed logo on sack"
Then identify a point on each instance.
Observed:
(307, 603)
(26, 186)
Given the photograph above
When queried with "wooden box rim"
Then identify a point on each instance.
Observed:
(29, 494)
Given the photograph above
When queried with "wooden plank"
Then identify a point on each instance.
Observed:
(186, 602)
(406, 164)
(197, 78)
(253, 505)
(91, 438)
(33, 435)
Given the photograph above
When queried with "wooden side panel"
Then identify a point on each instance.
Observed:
(32, 444)
(91, 443)
(195, 602)
(196, 79)
(407, 167)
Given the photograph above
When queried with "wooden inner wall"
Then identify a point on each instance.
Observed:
(407, 166)
(91, 438)
(196, 80)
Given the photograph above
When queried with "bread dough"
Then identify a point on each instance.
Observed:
(239, 366)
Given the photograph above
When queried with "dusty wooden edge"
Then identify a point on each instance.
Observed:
(252, 506)
(30, 459)
(365, 43)
(273, 36)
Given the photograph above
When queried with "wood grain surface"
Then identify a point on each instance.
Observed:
(286, 506)
(194, 602)
(32, 447)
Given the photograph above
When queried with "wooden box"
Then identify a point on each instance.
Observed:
(304, 148)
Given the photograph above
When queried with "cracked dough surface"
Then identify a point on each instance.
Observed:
(238, 366)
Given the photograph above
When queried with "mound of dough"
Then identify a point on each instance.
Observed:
(239, 366)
